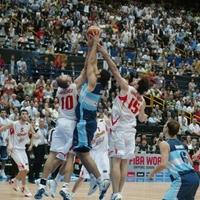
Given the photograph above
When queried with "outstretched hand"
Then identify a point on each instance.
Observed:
(101, 49)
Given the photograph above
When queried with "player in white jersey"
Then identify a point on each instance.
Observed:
(19, 133)
(99, 153)
(63, 135)
(4, 120)
(127, 105)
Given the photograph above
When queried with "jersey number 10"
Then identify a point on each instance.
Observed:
(67, 102)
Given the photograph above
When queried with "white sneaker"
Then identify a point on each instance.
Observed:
(37, 182)
(103, 187)
(66, 195)
(52, 187)
(26, 192)
(117, 196)
(15, 184)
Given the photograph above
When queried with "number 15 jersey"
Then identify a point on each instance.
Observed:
(67, 101)
(125, 109)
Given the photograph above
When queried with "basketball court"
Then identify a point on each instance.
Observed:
(132, 191)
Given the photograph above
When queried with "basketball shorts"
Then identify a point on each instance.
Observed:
(62, 137)
(20, 158)
(83, 135)
(122, 143)
(3, 153)
(184, 187)
(102, 161)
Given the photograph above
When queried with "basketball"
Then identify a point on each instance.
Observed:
(93, 31)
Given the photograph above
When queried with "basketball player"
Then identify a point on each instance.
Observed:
(18, 137)
(99, 153)
(86, 119)
(127, 105)
(4, 120)
(175, 158)
(63, 134)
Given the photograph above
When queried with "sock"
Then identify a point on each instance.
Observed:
(92, 177)
(43, 181)
(99, 180)
(58, 178)
(114, 194)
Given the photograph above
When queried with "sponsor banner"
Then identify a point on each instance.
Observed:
(140, 166)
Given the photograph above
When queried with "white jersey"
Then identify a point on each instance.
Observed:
(4, 134)
(68, 101)
(19, 135)
(100, 139)
(125, 109)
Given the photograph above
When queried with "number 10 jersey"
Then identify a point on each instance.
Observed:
(67, 101)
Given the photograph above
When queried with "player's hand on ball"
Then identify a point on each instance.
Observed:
(96, 40)
(101, 49)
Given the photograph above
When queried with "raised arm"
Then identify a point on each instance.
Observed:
(113, 68)
(142, 116)
(82, 77)
(92, 66)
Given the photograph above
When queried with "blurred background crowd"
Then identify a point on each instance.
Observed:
(40, 39)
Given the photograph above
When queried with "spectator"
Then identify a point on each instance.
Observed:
(144, 147)
(183, 123)
(3, 143)
(194, 128)
(39, 150)
(14, 102)
(12, 68)
(153, 120)
(2, 62)
(9, 85)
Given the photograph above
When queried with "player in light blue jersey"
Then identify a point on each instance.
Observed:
(174, 157)
(86, 120)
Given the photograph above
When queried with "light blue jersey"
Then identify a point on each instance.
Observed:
(178, 158)
(185, 180)
(86, 118)
(88, 102)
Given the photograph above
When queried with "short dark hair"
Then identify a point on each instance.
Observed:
(104, 77)
(143, 85)
(23, 110)
(173, 127)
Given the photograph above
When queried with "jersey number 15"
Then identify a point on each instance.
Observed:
(134, 105)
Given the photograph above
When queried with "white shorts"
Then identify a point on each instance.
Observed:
(122, 143)
(102, 161)
(62, 137)
(20, 158)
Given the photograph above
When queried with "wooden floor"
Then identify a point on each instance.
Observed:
(132, 191)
